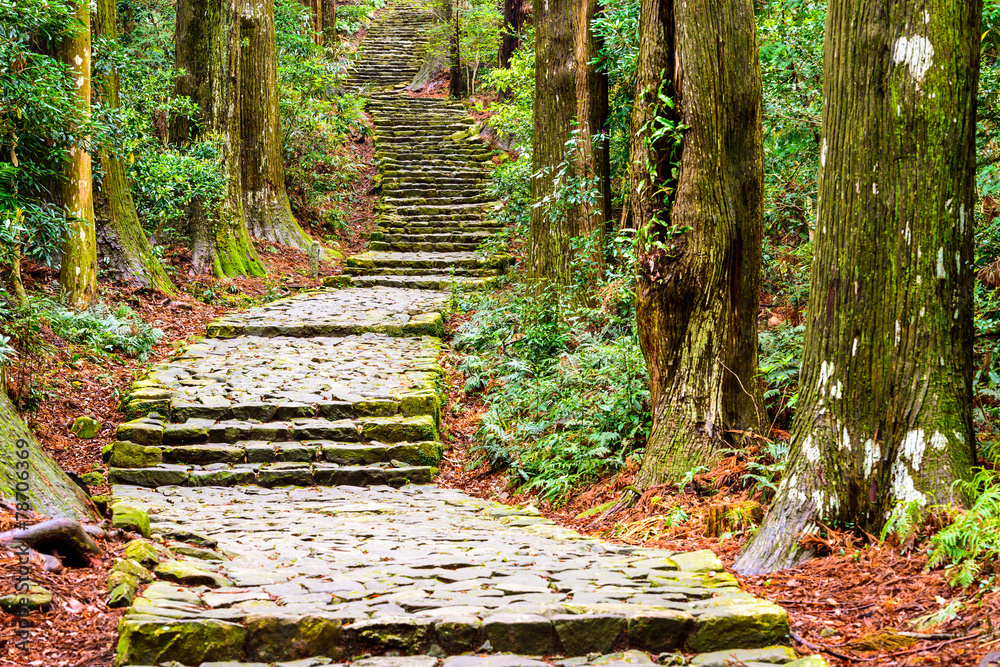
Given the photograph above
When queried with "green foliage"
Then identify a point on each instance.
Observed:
(39, 121)
(567, 401)
(478, 24)
(353, 17)
(101, 328)
(513, 115)
(780, 350)
(969, 547)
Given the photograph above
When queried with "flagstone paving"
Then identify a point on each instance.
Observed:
(285, 464)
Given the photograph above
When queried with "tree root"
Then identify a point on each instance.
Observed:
(61, 538)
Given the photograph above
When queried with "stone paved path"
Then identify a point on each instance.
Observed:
(285, 461)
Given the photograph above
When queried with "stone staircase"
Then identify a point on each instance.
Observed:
(282, 467)
(435, 207)
(393, 48)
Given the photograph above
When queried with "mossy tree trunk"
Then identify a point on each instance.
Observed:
(125, 250)
(571, 105)
(266, 208)
(696, 202)
(208, 51)
(29, 475)
(78, 273)
(885, 406)
(330, 25)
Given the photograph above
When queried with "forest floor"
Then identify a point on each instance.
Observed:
(860, 602)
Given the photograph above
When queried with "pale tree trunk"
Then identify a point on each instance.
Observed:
(330, 25)
(123, 244)
(78, 274)
(266, 208)
(885, 400)
(208, 51)
(699, 229)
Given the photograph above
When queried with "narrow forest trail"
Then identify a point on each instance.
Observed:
(286, 463)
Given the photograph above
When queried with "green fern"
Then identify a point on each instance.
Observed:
(969, 548)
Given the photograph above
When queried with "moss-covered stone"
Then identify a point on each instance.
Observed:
(727, 624)
(145, 553)
(337, 282)
(85, 427)
(122, 595)
(808, 661)
(131, 455)
(132, 569)
(581, 634)
(399, 429)
(768, 655)
(36, 598)
(151, 641)
(130, 517)
(141, 432)
(659, 631)
(698, 561)
(520, 633)
(274, 637)
(189, 574)
(408, 635)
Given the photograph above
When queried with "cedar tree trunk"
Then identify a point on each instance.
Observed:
(696, 202)
(266, 208)
(513, 23)
(30, 477)
(123, 244)
(330, 24)
(885, 404)
(456, 78)
(78, 274)
(208, 51)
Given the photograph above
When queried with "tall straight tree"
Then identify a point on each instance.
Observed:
(571, 102)
(78, 274)
(208, 52)
(266, 208)
(330, 24)
(885, 404)
(121, 239)
(513, 23)
(696, 192)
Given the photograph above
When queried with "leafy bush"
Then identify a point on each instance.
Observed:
(565, 404)
(969, 547)
(101, 328)
(780, 357)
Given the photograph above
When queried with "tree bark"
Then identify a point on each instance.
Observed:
(121, 240)
(266, 208)
(885, 404)
(78, 273)
(593, 159)
(29, 476)
(696, 202)
(456, 78)
(513, 23)
(562, 91)
(208, 51)
(330, 25)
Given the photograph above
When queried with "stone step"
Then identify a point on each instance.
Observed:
(269, 475)
(464, 260)
(427, 282)
(425, 246)
(339, 571)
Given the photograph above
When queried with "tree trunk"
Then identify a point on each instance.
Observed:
(123, 244)
(330, 25)
(29, 476)
(593, 159)
(266, 208)
(78, 274)
(552, 227)
(208, 51)
(513, 23)
(696, 203)
(885, 404)
(456, 78)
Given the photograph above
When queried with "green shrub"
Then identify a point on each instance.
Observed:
(969, 547)
(101, 328)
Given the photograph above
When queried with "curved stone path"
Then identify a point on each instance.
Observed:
(284, 464)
